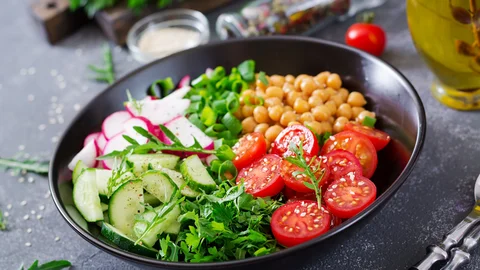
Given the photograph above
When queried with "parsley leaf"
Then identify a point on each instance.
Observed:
(53, 265)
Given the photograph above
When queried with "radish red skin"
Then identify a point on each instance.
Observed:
(91, 137)
(88, 155)
(113, 124)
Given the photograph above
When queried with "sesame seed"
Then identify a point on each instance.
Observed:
(39, 216)
(23, 203)
(41, 207)
(334, 194)
(30, 97)
(53, 99)
(330, 199)
(6, 214)
(9, 206)
(361, 183)
(32, 71)
(28, 244)
(54, 139)
(13, 173)
(60, 119)
(53, 72)
(57, 239)
(32, 212)
(77, 107)
(62, 85)
(26, 217)
(303, 214)
(21, 147)
(47, 195)
(21, 179)
(52, 121)
(42, 127)
(31, 179)
(351, 192)
(23, 71)
(29, 230)
(58, 110)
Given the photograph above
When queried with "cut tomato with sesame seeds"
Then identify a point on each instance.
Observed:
(262, 178)
(341, 163)
(296, 183)
(345, 198)
(296, 134)
(378, 138)
(357, 144)
(248, 149)
(297, 222)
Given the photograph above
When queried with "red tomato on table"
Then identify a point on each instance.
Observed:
(378, 138)
(341, 162)
(367, 37)
(262, 178)
(296, 134)
(345, 197)
(299, 221)
(297, 182)
(356, 144)
(248, 149)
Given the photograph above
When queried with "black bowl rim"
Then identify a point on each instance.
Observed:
(421, 131)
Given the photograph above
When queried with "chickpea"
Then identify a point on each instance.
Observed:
(292, 97)
(275, 112)
(339, 124)
(288, 87)
(331, 91)
(308, 116)
(260, 94)
(323, 94)
(332, 106)
(315, 101)
(247, 111)
(321, 79)
(248, 94)
(344, 110)
(272, 101)
(261, 128)
(260, 84)
(287, 109)
(331, 120)
(326, 127)
(337, 99)
(308, 85)
(344, 94)
(301, 106)
(290, 78)
(238, 114)
(299, 80)
(321, 113)
(294, 123)
(287, 117)
(334, 81)
(315, 125)
(277, 80)
(274, 91)
(356, 99)
(361, 116)
(248, 125)
(260, 114)
(269, 144)
(272, 132)
(356, 111)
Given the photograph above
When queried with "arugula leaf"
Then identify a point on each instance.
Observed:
(53, 265)
(30, 165)
(3, 225)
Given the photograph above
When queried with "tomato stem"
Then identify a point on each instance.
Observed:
(366, 17)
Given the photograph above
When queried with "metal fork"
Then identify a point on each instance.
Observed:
(461, 256)
(440, 252)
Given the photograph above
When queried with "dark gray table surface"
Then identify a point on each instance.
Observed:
(43, 87)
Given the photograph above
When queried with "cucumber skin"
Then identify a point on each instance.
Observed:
(191, 182)
(99, 202)
(78, 170)
(127, 244)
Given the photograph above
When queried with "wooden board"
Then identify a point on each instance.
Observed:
(117, 21)
(55, 20)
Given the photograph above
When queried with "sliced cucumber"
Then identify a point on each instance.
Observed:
(174, 228)
(126, 243)
(125, 203)
(158, 184)
(79, 167)
(151, 237)
(85, 196)
(196, 174)
(150, 199)
(103, 177)
(76, 216)
(178, 179)
(157, 161)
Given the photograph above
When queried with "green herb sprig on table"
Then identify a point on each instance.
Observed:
(29, 165)
(308, 169)
(107, 72)
(93, 6)
(3, 223)
(53, 265)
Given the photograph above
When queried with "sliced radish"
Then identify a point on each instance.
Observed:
(101, 142)
(99, 165)
(160, 111)
(113, 124)
(91, 137)
(118, 143)
(209, 159)
(178, 94)
(186, 131)
(185, 81)
(139, 121)
(87, 155)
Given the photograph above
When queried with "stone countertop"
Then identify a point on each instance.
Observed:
(42, 88)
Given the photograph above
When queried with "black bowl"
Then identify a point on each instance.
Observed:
(398, 107)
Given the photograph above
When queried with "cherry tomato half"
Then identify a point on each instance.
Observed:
(296, 134)
(248, 149)
(297, 182)
(262, 178)
(379, 138)
(299, 221)
(341, 162)
(357, 144)
(345, 197)
(367, 37)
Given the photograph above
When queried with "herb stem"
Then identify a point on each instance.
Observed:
(40, 167)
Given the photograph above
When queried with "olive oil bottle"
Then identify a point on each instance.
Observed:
(447, 35)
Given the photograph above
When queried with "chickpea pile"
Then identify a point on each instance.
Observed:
(318, 102)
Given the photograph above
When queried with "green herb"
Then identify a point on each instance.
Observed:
(93, 6)
(225, 225)
(321, 138)
(53, 265)
(166, 86)
(263, 78)
(247, 70)
(118, 174)
(3, 223)
(309, 169)
(106, 73)
(135, 103)
(29, 165)
(369, 121)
